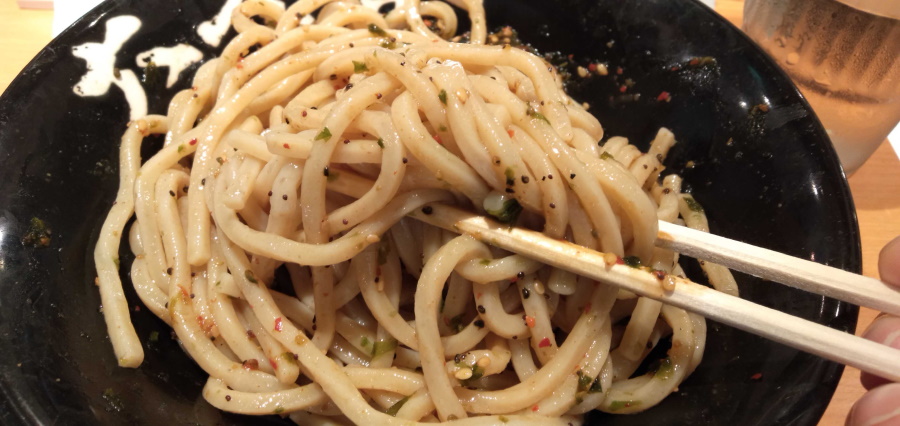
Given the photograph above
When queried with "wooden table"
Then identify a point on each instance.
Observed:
(875, 187)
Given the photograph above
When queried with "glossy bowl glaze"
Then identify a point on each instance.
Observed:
(769, 178)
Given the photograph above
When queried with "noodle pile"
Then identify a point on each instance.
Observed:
(276, 229)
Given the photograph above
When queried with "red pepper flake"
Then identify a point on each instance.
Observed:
(278, 324)
(478, 295)
(592, 67)
(193, 141)
(620, 261)
(184, 292)
(534, 407)
(756, 377)
(623, 89)
(694, 61)
(664, 97)
(619, 70)
(660, 275)
(587, 307)
(675, 68)
(511, 133)
(250, 364)
(287, 146)
(240, 66)
(529, 321)
(437, 138)
(273, 364)
(545, 342)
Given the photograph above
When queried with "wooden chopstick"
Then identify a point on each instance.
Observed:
(774, 266)
(778, 326)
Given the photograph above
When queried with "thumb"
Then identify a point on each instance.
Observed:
(878, 407)
(889, 263)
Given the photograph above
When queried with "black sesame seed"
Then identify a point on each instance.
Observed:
(525, 293)
(480, 309)
(572, 176)
(284, 197)
(525, 179)
(427, 209)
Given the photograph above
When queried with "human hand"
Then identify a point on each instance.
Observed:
(881, 405)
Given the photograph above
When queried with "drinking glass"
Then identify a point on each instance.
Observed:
(844, 55)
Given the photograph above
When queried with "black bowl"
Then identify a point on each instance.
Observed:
(769, 178)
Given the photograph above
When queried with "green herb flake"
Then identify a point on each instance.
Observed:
(442, 95)
(180, 148)
(248, 274)
(618, 405)
(534, 114)
(477, 373)
(154, 336)
(503, 419)
(509, 213)
(116, 261)
(632, 261)
(289, 357)
(485, 262)
(360, 67)
(596, 386)
(584, 381)
(37, 235)
(387, 44)
(442, 128)
(376, 30)
(332, 176)
(278, 410)
(510, 175)
(456, 323)
(364, 341)
(324, 135)
(382, 347)
(381, 143)
(606, 156)
(693, 204)
(665, 369)
(220, 160)
(394, 409)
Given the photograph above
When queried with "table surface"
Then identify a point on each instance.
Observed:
(875, 186)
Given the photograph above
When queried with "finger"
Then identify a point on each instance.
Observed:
(884, 330)
(878, 407)
(889, 262)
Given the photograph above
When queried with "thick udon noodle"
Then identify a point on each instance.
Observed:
(314, 148)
